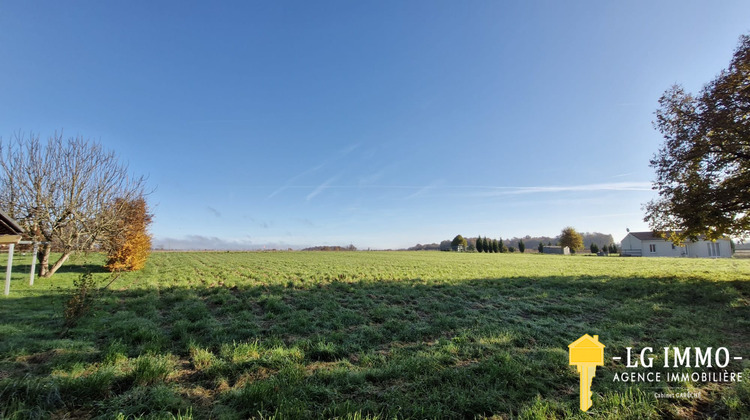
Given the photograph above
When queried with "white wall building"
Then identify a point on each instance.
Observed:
(646, 244)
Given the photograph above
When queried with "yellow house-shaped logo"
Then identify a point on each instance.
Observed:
(586, 353)
(587, 349)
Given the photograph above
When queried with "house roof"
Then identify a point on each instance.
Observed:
(9, 226)
(647, 236)
(651, 236)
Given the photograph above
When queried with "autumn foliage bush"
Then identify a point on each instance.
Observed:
(129, 245)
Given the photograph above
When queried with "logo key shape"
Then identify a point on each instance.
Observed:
(586, 353)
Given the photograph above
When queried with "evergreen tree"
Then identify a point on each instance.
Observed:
(521, 246)
(501, 247)
(540, 248)
(495, 247)
(480, 244)
(594, 248)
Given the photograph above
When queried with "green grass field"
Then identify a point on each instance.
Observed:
(367, 335)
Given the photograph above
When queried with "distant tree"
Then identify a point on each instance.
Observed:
(480, 244)
(521, 246)
(572, 239)
(540, 248)
(501, 246)
(487, 245)
(494, 246)
(613, 249)
(471, 248)
(458, 241)
(445, 245)
(594, 248)
(128, 243)
(703, 167)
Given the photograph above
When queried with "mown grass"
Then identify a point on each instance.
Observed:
(367, 335)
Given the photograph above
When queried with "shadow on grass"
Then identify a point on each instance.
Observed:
(66, 268)
(406, 348)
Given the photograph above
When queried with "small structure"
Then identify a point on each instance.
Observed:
(556, 250)
(10, 234)
(650, 244)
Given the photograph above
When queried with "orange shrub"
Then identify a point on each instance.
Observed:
(129, 244)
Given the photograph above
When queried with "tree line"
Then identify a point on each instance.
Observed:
(473, 244)
(331, 248)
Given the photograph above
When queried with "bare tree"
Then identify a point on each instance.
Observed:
(63, 192)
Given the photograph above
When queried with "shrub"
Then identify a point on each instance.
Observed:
(82, 299)
(129, 243)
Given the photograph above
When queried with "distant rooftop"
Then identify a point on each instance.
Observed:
(650, 236)
(647, 236)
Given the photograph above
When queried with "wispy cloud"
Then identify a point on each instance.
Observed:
(204, 242)
(213, 211)
(290, 183)
(469, 190)
(374, 177)
(320, 188)
(214, 243)
(612, 186)
(423, 190)
(220, 121)
(348, 149)
(306, 222)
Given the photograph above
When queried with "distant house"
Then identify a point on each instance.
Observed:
(556, 250)
(647, 244)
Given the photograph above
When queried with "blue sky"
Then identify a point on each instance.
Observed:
(381, 124)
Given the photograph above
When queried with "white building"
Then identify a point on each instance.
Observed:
(646, 244)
